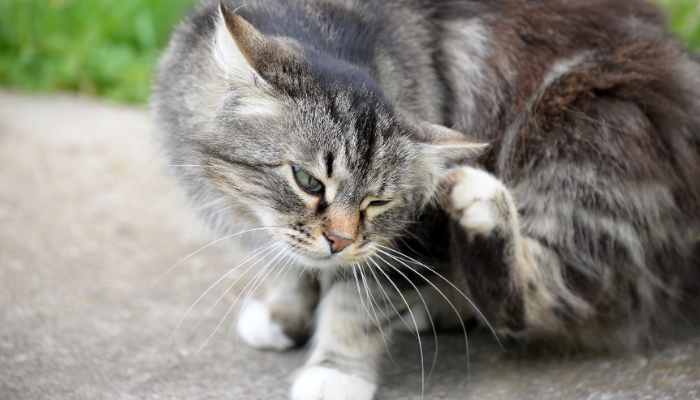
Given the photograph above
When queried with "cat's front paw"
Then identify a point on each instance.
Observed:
(477, 199)
(322, 383)
(257, 328)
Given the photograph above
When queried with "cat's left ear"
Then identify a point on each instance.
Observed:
(242, 52)
(449, 146)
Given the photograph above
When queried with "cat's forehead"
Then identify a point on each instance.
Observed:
(357, 136)
(355, 155)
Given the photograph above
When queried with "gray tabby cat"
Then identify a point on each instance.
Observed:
(570, 214)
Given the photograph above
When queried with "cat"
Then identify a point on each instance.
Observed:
(531, 164)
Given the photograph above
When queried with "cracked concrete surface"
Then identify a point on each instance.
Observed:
(88, 222)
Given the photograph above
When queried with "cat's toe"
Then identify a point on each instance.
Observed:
(256, 327)
(322, 383)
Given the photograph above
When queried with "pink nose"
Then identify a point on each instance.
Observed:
(338, 243)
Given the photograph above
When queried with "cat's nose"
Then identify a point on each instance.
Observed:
(338, 243)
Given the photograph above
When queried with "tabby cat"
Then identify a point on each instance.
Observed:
(562, 204)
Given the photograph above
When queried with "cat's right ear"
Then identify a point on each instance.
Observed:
(240, 51)
(446, 145)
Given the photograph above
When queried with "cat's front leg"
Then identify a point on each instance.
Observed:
(283, 318)
(347, 348)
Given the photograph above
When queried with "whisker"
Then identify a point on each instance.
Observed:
(253, 289)
(271, 248)
(464, 329)
(430, 318)
(282, 269)
(386, 308)
(227, 313)
(369, 292)
(367, 295)
(453, 286)
(359, 292)
(415, 324)
(379, 325)
(254, 254)
(200, 249)
(386, 296)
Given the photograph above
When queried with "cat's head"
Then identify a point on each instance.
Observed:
(311, 147)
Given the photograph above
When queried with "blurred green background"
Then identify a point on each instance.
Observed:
(109, 48)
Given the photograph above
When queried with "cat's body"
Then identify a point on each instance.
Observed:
(314, 120)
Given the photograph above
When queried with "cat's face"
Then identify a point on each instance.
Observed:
(332, 187)
(314, 153)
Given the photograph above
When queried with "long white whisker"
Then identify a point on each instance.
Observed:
(369, 293)
(415, 324)
(255, 253)
(371, 300)
(453, 286)
(253, 289)
(464, 329)
(200, 249)
(359, 293)
(282, 269)
(386, 296)
(271, 248)
(427, 310)
(379, 325)
(226, 315)
(385, 315)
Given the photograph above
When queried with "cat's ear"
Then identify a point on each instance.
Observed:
(241, 51)
(448, 145)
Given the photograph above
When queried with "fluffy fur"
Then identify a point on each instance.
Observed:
(564, 206)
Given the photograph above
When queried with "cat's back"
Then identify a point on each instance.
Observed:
(588, 82)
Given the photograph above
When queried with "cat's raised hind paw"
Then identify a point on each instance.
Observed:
(256, 327)
(322, 383)
(477, 199)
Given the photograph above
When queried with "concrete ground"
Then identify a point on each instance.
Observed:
(88, 222)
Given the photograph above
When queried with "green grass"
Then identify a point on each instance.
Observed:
(102, 47)
(684, 20)
(109, 47)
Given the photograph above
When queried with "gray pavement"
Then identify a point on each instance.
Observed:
(88, 222)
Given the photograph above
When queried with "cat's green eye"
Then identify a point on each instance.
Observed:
(376, 203)
(306, 181)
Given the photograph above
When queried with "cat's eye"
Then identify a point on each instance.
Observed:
(306, 181)
(377, 203)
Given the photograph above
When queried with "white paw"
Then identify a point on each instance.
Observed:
(321, 383)
(469, 198)
(258, 330)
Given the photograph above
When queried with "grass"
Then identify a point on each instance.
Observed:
(101, 47)
(684, 20)
(109, 47)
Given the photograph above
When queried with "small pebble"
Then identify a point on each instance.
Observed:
(442, 394)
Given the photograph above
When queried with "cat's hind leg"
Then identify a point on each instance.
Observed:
(283, 318)
(517, 283)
